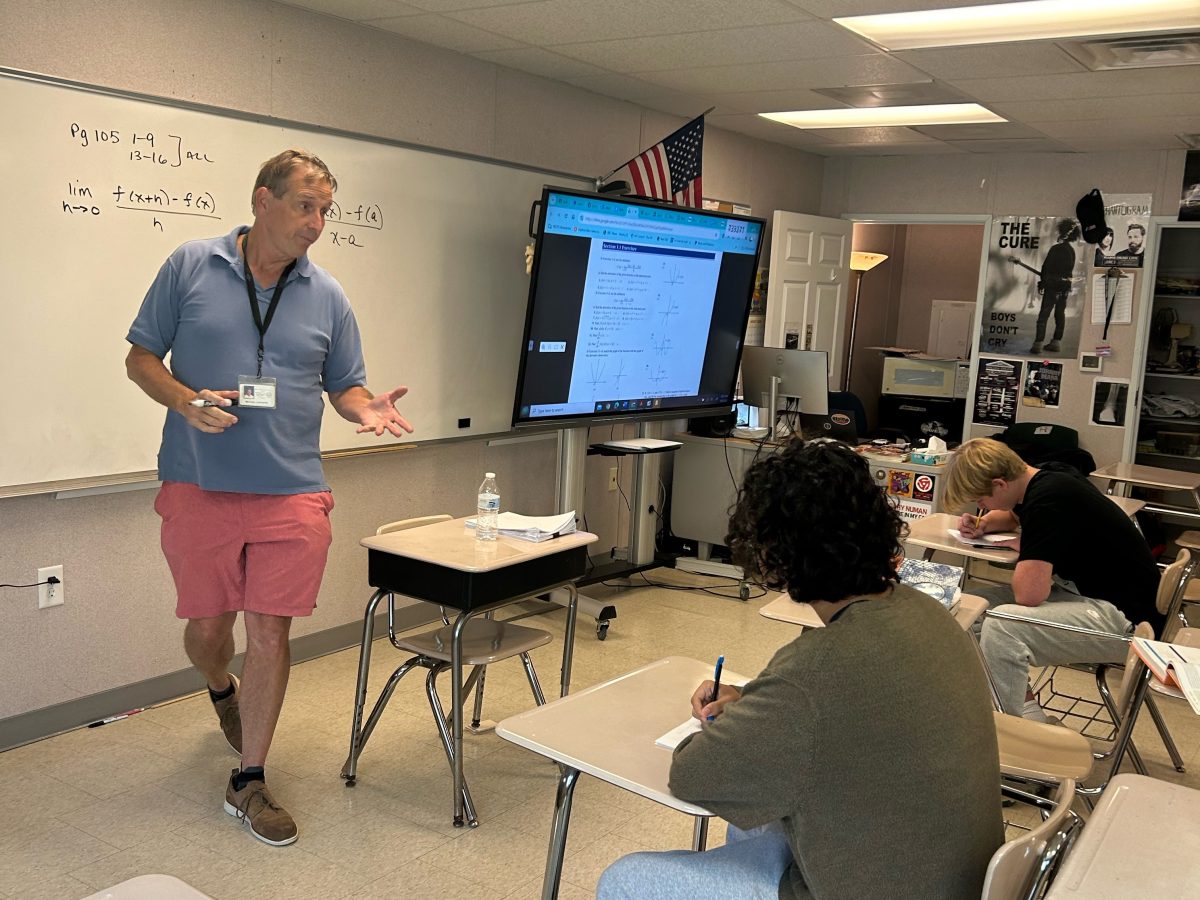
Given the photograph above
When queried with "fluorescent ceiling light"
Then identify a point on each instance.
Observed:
(876, 116)
(1033, 20)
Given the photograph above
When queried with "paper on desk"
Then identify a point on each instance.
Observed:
(987, 541)
(533, 528)
(675, 736)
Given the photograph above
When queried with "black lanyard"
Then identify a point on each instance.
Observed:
(259, 322)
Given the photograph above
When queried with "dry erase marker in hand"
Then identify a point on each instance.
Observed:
(201, 402)
(717, 682)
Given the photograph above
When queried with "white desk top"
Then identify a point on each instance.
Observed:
(1142, 840)
(1150, 476)
(453, 545)
(784, 609)
(1128, 505)
(609, 730)
(150, 887)
(931, 532)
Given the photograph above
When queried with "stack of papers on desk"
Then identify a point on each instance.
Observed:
(533, 528)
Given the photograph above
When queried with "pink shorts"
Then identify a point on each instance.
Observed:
(262, 553)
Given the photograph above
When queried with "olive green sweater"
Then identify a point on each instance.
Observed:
(872, 740)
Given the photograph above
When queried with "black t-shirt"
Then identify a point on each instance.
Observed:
(1058, 266)
(1068, 523)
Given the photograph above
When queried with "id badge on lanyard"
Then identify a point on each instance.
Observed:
(256, 391)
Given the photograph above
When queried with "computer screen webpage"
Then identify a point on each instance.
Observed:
(634, 308)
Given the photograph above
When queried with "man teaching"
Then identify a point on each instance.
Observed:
(244, 503)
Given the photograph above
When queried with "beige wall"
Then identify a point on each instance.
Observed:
(117, 626)
(941, 262)
(1017, 184)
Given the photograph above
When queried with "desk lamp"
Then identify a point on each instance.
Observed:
(860, 263)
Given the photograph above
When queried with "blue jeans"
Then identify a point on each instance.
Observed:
(748, 867)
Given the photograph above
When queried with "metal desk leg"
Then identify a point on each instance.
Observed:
(456, 713)
(700, 834)
(558, 831)
(569, 638)
(360, 692)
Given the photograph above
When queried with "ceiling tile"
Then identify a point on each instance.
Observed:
(982, 131)
(1092, 144)
(890, 134)
(679, 103)
(767, 101)
(933, 147)
(762, 43)
(1016, 145)
(539, 61)
(827, 9)
(992, 61)
(443, 32)
(757, 126)
(874, 68)
(1038, 111)
(358, 10)
(546, 22)
(1109, 129)
(1135, 83)
(453, 5)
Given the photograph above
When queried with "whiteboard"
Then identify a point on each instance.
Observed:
(429, 247)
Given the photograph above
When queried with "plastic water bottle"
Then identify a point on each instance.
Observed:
(487, 509)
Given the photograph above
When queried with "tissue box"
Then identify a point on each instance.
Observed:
(927, 457)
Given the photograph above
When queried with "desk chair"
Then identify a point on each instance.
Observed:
(1022, 868)
(484, 641)
(1188, 541)
(1032, 750)
(1099, 719)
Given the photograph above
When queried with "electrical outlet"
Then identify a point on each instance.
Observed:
(612, 478)
(51, 594)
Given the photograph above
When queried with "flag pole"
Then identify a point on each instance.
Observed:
(604, 178)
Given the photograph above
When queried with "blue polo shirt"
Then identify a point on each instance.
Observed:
(197, 311)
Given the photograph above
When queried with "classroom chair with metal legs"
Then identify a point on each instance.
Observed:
(1022, 868)
(1099, 720)
(484, 641)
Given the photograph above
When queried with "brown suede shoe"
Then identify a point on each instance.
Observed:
(269, 822)
(231, 717)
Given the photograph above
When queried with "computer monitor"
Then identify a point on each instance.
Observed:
(636, 310)
(771, 374)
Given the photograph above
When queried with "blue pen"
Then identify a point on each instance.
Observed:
(717, 682)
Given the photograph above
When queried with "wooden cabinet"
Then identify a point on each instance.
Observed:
(1168, 426)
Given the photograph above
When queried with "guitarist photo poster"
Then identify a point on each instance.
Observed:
(1033, 303)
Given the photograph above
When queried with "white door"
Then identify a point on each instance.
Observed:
(807, 284)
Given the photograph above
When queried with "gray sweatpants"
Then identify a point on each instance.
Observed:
(1010, 648)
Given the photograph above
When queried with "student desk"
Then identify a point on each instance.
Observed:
(1142, 840)
(150, 887)
(784, 609)
(1151, 478)
(443, 563)
(609, 731)
(931, 534)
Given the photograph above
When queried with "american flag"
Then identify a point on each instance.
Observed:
(670, 170)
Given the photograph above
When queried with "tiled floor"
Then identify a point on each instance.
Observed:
(94, 807)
